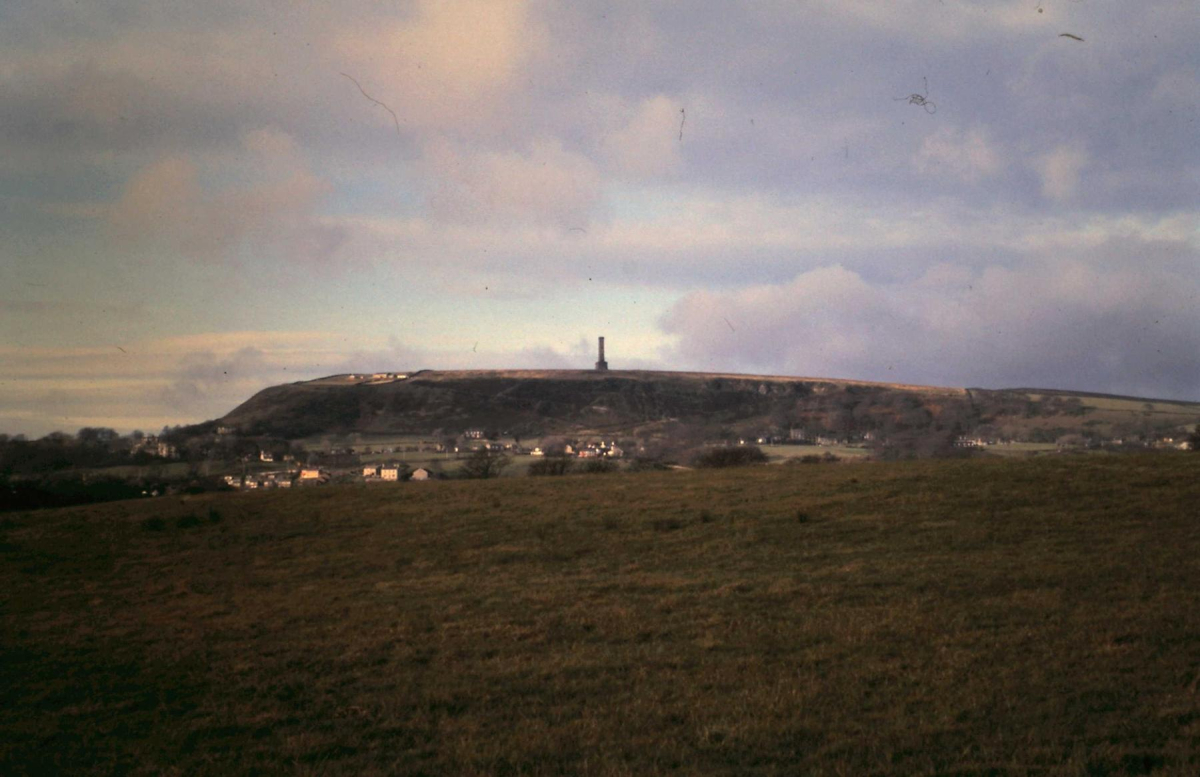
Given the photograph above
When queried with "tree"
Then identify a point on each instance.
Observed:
(483, 464)
(734, 456)
(96, 435)
(1194, 439)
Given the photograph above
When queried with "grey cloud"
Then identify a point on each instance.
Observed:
(1064, 322)
(207, 385)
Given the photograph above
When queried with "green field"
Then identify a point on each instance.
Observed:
(975, 617)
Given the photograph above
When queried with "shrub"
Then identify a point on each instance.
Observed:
(739, 456)
(599, 466)
(647, 465)
(550, 465)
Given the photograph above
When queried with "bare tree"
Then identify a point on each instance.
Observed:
(483, 464)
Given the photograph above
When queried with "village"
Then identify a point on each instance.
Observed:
(347, 461)
(422, 460)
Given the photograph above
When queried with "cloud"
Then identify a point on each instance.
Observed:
(1060, 171)
(202, 374)
(647, 146)
(967, 155)
(1087, 321)
(166, 206)
(148, 383)
(543, 185)
(446, 66)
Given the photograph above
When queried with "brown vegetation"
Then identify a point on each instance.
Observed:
(955, 617)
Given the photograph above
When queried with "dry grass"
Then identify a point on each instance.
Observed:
(974, 617)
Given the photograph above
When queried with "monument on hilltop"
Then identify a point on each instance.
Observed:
(601, 364)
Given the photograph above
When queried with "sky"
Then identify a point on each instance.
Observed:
(199, 200)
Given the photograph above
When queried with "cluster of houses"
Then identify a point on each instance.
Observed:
(281, 479)
(587, 450)
(155, 446)
(390, 473)
(306, 476)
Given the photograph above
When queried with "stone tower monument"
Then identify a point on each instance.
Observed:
(601, 364)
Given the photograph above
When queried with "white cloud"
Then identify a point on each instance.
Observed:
(545, 185)
(1060, 171)
(647, 145)
(967, 155)
(447, 66)
(166, 206)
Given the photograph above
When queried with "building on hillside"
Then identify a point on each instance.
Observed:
(310, 474)
(420, 473)
(537, 452)
(389, 472)
(474, 434)
(266, 456)
(370, 472)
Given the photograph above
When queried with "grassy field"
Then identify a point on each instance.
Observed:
(780, 453)
(978, 617)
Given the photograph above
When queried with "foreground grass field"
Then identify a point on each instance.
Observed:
(965, 617)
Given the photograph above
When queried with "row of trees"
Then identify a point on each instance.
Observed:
(90, 447)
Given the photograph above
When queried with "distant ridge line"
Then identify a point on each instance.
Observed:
(1095, 395)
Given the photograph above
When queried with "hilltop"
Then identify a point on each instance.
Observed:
(647, 403)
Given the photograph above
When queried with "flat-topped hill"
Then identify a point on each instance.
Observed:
(643, 402)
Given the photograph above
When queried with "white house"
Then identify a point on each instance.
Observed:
(370, 472)
(389, 472)
(310, 473)
(420, 473)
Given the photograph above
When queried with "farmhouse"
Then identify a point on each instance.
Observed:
(389, 472)
(420, 473)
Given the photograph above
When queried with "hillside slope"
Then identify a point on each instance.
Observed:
(536, 402)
